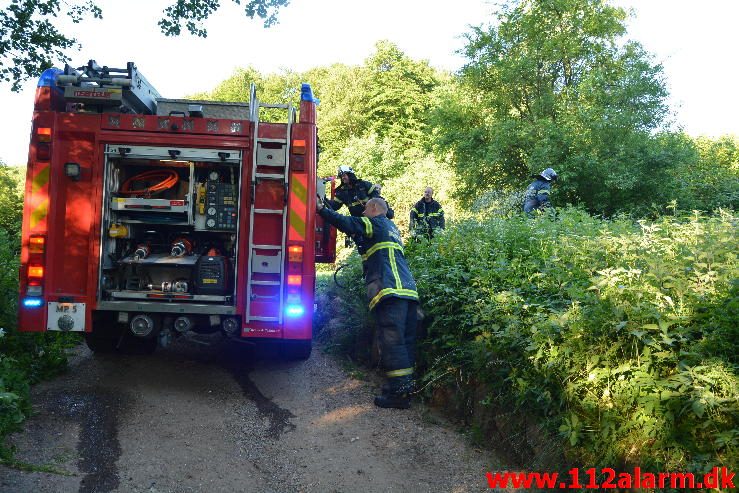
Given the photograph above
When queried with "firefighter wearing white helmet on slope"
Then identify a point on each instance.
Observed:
(537, 194)
(354, 193)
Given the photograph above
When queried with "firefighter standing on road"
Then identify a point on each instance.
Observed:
(427, 215)
(391, 292)
(537, 195)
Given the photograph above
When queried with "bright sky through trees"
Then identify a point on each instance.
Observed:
(694, 41)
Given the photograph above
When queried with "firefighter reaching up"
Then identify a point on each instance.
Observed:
(537, 194)
(354, 193)
(391, 293)
(427, 215)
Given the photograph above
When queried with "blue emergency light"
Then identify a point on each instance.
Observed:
(295, 310)
(32, 302)
(306, 93)
(48, 77)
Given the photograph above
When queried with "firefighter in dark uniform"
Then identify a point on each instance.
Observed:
(391, 293)
(352, 192)
(537, 194)
(427, 215)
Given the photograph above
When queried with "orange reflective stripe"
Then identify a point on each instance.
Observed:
(298, 206)
(40, 179)
(39, 213)
(38, 203)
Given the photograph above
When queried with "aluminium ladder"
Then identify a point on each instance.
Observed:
(268, 221)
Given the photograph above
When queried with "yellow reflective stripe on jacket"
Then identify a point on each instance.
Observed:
(394, 266)
(371, 189)
(367, 227)
(402, 292)
(358, 202)
(379, 246)
(402, 372)
(543, 192)
(432, 214)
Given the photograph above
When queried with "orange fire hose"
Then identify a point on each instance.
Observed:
(169, 178)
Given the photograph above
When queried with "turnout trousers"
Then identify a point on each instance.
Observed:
(396, 322)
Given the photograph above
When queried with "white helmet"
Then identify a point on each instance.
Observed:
(344, 169)
(549, 174)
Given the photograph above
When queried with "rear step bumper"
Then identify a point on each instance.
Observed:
(162, 307)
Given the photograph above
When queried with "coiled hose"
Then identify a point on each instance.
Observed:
(168, 178)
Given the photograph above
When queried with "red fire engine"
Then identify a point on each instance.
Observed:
(147, 218)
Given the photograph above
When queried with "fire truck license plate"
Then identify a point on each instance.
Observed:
(66, 317)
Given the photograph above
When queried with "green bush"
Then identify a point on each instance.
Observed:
(622, 336)
(711, 178)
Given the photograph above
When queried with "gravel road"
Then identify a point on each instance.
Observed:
(194, 418)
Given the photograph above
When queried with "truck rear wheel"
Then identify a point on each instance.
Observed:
(101, 344)
(297, 350)
(104, 337)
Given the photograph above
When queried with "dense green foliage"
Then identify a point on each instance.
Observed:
(711, 178)
(380, 105)
(554, 83)
(621, 336)
(372, 117)
(24, 358)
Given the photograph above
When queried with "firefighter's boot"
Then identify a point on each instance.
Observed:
(396, 393)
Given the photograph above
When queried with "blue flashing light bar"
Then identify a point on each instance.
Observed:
(295, 310)
(32, 302)
(306, 94)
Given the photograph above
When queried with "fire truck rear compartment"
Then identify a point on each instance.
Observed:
(169, 237)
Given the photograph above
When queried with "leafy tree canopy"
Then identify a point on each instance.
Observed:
(30, 42)
(552, 83)
(369, 114)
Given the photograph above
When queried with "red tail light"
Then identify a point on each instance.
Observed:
(36, 244)
(295, 253)
(35, 274)
(298, 146)
(44, 134)
(294, 280)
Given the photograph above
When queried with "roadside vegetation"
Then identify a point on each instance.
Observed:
(25, 359)
(620, 336)
(611, 322)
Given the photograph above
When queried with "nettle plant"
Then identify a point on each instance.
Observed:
(621, 335)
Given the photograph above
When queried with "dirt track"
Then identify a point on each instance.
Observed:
(192, 418)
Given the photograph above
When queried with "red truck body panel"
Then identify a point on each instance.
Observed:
(64, 214)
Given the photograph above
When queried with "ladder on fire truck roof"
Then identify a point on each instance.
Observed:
(265, 290)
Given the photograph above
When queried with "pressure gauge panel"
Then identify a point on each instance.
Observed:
(220, 204)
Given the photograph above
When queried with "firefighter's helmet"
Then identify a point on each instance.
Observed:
(346, 170)
(549, 174)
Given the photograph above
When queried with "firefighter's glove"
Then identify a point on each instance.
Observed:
(319, 203)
